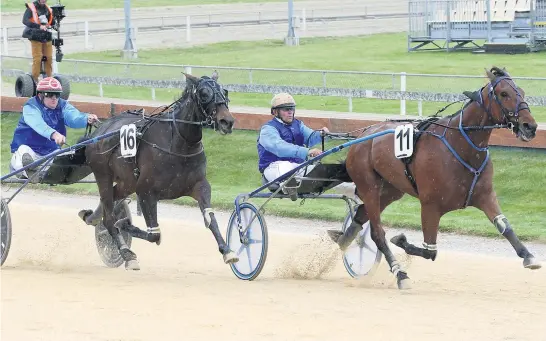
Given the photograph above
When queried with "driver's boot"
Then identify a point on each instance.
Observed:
(26, 160)
(291, 188)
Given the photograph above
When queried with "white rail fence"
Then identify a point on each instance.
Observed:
(400, 86)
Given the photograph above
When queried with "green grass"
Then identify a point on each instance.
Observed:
(19, 5)
(382, 52)
(232, 169)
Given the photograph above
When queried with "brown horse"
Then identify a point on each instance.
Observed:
(450, 169)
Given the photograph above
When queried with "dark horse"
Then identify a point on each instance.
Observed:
(450, 169)
(170, 163)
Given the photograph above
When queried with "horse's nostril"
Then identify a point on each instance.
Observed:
(226, 124)
(530, 127)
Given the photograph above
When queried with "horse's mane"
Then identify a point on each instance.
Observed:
(498, 72)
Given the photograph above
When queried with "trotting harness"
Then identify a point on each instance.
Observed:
(510, 120)
(206, 86)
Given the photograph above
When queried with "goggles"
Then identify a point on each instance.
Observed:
(52, 94)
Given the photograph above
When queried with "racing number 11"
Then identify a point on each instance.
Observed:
(403, 141)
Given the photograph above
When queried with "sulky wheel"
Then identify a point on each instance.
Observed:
(5, 232)
(361, 257)
(108, 250)
(249, 242)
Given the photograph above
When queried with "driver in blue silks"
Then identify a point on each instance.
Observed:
(281, 145)
(42, 127)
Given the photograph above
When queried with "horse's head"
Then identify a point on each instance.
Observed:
(212, 100)
(509, 106)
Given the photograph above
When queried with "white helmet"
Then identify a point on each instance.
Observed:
(282, 100)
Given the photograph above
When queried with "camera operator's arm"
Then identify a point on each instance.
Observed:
(26, 20)
(28, 23)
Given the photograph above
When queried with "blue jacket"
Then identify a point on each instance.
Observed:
(38, 122)
(282, 142)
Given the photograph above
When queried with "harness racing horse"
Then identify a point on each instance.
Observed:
(170, 163)
(450, 169)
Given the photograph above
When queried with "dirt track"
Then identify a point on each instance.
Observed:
(54, 287)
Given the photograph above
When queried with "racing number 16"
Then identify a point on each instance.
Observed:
(127, 140)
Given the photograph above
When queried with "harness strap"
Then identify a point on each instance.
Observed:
(410, 176)
(201, 150)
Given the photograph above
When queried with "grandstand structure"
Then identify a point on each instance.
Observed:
(497, 26)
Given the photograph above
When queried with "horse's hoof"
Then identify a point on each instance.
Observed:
(120, 224)
(132, 265)
(399, 240)
(531, 263)
(154, 238)
(230, 258)
(83, 214)
(334, 235)
(404, 284)
(403, 280)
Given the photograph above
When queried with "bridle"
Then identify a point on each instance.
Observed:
(509, 118)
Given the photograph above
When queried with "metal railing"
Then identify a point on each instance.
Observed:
(400, 86)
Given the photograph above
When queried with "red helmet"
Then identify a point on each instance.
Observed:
(49, 84)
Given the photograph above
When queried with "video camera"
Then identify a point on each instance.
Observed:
(55, 30)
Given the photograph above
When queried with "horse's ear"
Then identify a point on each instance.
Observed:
(190, 79)
(490, 75)
(215, 75)
(521, 92)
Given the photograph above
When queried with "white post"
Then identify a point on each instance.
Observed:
(420, 107)
(153, 94)
(403, 89)
(303, 20)
(5, 34)
(187, 70)
(55, 66)
(101, 93)
(350, 104)
(188, 29)
(86, 34)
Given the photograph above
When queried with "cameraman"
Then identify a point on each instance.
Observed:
(38, 18)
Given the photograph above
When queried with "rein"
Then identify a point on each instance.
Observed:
(208, 86)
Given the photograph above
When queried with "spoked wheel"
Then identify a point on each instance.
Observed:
(5, 236)
(108, 250)
(361, 257)
(249, 242)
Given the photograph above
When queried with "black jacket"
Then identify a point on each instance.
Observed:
(32, 30)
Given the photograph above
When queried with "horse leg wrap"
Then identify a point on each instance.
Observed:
(428, 252)
(396, 267)
(154, 235)
(502, 224)
(153, 230)
(208, 215)
(350, 234)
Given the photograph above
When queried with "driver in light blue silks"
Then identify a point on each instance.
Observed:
(42, 127)
(282, 146)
